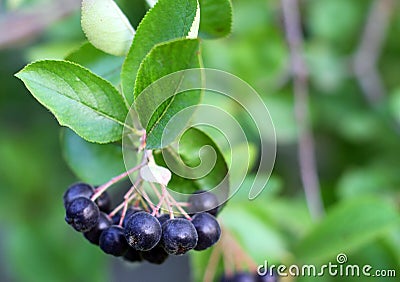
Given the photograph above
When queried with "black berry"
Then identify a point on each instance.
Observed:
(208, 230)
(104, 202)
(112, 241)
(157, 255)
(268, 277)
(82, 214)
(93, 235)
(132, 255)
(243, 277)
(142, 231)
(163, 218)
(203, 201)
(179, 236)
(77, 190)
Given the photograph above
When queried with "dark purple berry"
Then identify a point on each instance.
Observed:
(132, 255)
(104, 202)
(203, 201)
(226, 279)
(112, 241)
(163, 218)
(93, 235)
(82, 214)
(157, 255)
(77, 190)
(178, 236)
(268, 277)
(243, 277)
(208, 230)
(142, 231)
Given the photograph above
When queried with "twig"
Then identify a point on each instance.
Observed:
(369, 50)
(128, 198)
(175, 203)
(308, 167)
(100, 190)
(212, 264)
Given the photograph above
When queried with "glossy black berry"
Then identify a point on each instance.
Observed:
(132, 255)
(77, 190)
(142, 231)
(268, 277)
(225, 279)
(112, 241)
(163, 218)
(178, 236)
(104, 202)
(93, 235)
(82, 214)
(243, 277)
(203, 201)
(157, 255)
(208, 230)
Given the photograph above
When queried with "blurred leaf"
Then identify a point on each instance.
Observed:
(51, 51)
(280, 108)
(395, 105)
(347, 227)
(322, 13)
(215, 18)
(260, 239)
(327, 69)
(48, 239)
(102, 64)
(106, 26)
(159, 62)
(79, 99)
(156, 27)
(368, 180)
(92, 163)
(194, 153)
(358, 125)
(199, 262)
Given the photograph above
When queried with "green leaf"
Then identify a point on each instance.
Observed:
(92, 163)
(106, 26)
(193, 156)
(155, 113)
(79, 99)
(347, 227)
(263, 242)
(166, 21)
(215, 18)
(102, 64)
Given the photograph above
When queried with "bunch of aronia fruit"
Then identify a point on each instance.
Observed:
(249, 277)
(140, 235)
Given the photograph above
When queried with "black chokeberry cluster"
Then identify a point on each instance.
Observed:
(250, 277)
(141, 236)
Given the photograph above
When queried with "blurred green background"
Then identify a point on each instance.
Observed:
(355, 116)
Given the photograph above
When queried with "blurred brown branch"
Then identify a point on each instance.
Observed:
(23, 25)
(369, 50)
(307, 160)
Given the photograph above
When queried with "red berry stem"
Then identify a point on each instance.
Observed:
(102, 188)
